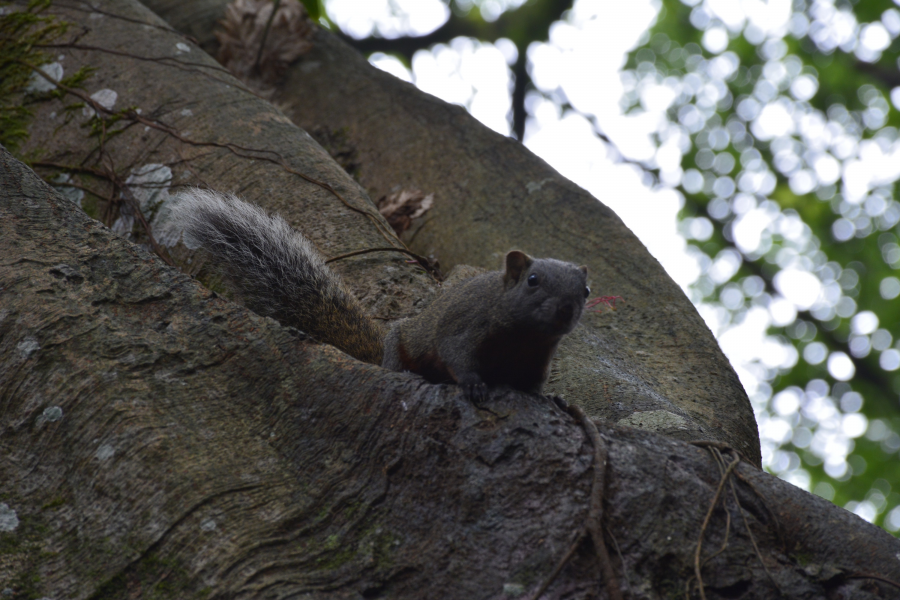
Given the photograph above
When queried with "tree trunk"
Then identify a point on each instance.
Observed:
(175, 118)
(162, 442)
(652, 363)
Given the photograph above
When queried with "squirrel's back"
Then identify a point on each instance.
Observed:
(276, 271)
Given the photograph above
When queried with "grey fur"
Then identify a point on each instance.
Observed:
(275, 270)
(497, 328)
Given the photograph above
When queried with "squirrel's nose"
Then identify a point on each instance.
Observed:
(564, 313)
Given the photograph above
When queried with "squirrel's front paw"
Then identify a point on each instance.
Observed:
(475, 392)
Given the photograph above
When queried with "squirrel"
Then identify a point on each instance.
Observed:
(496, 328)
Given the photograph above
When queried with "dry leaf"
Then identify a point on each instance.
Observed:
(241, 35)
(401, 207)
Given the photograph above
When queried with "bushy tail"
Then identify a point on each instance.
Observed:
(276, 271)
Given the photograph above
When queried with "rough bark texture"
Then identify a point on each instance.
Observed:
(177, 118)
(162, 442)
(652, 364)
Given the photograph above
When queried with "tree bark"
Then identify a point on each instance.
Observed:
(162, 442)
(652, 363)
(175, 118)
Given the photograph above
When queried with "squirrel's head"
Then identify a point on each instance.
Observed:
(545, 293)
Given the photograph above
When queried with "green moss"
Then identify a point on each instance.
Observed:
(22, 33)
(54, 503)
(21, 554)
(157, 579)
(383, 549)
(336, 560)
(24, 586)
(802, 559)
(75, 80)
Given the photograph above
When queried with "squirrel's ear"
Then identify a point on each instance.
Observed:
(516, 263)
(583, 269)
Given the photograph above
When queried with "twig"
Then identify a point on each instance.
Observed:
(169, 61)
(560, 564)
(593, 522)
(235, 149)
(752, 538)
(875, 577)
(709, 513)
(724, 542)
(110, 175)
(136, 207)
(420, 260)
(621, 559)
(714, 444)
(772, 515)
(720, 462)
(595, 513)
(262, 42)
(92, 7)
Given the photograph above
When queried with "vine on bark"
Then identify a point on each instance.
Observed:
(102, 126)
(593, 523)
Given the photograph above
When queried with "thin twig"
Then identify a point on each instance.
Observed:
(724, 542)
(875, 577)
(621, 559)
(236, 149)
(135, 206)
(421, 260)
(709, 513)
(752, 538)
(720, 462)
(561, 564)
(169, 61)
(772, 515)
(92, 7)
(262, 42)
(594, 520)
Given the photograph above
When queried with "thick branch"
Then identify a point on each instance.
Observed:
(197, 448)
(171, 119)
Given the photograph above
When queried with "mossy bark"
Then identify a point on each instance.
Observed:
(156, 114)
(159, 441)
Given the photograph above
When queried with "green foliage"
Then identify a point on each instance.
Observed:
(314, 9)
(777, 126)
(22, 32)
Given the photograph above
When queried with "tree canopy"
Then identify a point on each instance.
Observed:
(785, 116)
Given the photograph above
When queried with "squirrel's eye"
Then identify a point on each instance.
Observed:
(587, 291)
(532, 280)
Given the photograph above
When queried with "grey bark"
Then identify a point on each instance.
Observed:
(162, 442)
(176, 118)
(653, 363)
